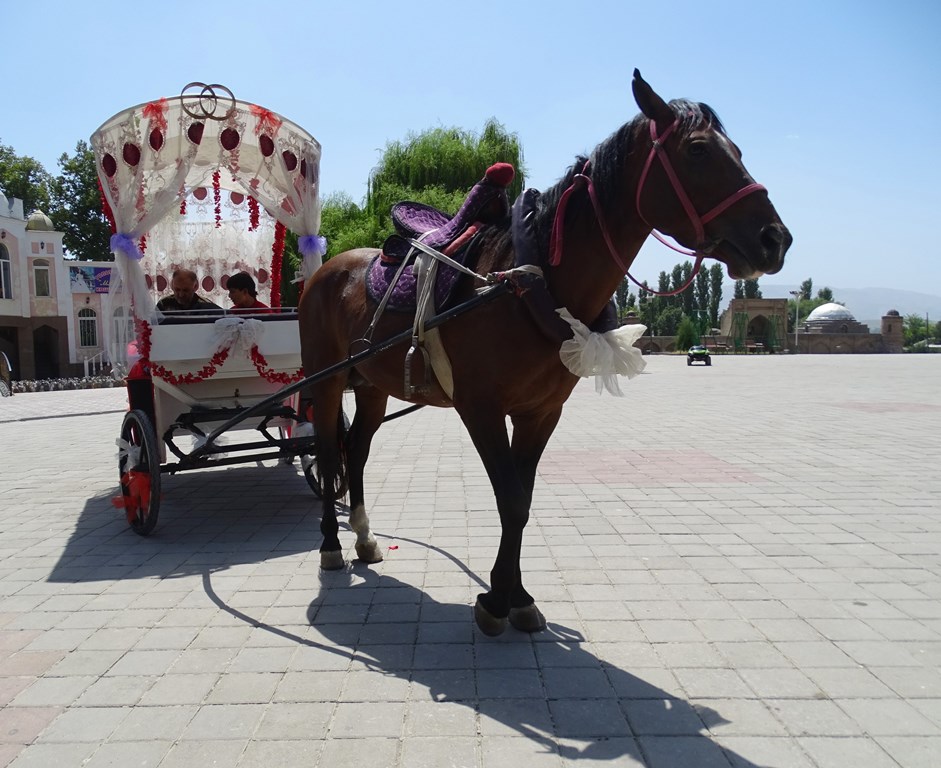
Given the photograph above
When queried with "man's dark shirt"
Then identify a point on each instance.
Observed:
(170, 304)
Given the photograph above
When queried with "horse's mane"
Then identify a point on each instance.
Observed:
(606, 169)
(607, 163)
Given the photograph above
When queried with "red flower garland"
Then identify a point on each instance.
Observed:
(217, 197)
(252, 214)
(206, 372)
(183, 207)
(142, 244)
(261, 365)
(209, 370)
(277, 254)
(106, 209)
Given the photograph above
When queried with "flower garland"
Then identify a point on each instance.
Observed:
(211, 368)
(261, 365)
(252, 214)
(142, 244)
(277, 254)
(217, 197)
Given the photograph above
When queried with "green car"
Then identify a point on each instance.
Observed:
(698, 354)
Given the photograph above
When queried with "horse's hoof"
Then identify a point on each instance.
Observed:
(332, 560)
(487, 623)
(369, 552)
(527, 619)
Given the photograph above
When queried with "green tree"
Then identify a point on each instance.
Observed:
(25, 178)
(915, 329)
(739, 290)
(438, 167)
(826, 294)
(75, 207)
(716, 276)
(669, 321)
(807, 288)
(687, 334)
(751, 289)
(686, 298)
(347, 226)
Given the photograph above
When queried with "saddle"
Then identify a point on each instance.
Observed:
(486, 204)
(400, 280)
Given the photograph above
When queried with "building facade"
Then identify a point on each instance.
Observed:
(51, 309)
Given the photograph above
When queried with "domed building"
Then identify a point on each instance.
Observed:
(832, 318)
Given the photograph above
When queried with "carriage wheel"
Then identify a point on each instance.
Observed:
(140, 482)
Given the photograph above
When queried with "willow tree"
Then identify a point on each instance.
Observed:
(438, 167)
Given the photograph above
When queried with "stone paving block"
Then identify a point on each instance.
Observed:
(775, 579)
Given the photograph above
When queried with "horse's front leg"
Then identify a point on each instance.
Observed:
(530, 436)
(488, 432)
(370, 411)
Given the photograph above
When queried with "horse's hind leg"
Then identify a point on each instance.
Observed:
(326, 399)
(370, 411)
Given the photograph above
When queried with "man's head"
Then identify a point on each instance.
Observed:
(242, 290)
(184, 284)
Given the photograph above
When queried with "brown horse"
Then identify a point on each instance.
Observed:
(655, 172)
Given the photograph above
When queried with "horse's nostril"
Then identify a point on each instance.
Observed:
(772, 236)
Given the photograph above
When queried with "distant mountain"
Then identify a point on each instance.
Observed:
(868, 305)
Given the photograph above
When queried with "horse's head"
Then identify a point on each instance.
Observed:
(695, 188)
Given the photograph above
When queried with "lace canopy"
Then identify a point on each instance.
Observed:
(198, 181)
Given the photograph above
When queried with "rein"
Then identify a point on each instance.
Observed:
(656, 150)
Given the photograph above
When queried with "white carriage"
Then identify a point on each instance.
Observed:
(205, 182)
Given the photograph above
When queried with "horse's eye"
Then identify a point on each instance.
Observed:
(698, 149)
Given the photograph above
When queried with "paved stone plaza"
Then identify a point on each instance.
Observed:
(740, 566)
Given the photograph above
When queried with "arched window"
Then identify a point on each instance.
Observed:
(87, 328)
(6, 275)
(41, 277)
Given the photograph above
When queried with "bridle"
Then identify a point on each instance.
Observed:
(658, 151)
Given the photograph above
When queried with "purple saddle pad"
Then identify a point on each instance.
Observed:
(403, 298)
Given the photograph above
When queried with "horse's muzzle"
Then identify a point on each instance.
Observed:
(775, 239)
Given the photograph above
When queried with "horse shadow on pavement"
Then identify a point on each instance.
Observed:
(547, 687)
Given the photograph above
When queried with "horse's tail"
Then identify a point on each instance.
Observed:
(342, 480)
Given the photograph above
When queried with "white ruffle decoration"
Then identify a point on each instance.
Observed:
(128, 455)
(237, 334)
(602, 355)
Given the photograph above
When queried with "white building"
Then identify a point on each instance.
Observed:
(51, 318)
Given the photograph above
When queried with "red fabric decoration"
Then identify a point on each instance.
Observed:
(138, 494)
(252, 214)
(142, 243)
(217, 197)
(156, 112)
(277, 254)
(268, 121)
(106, 209)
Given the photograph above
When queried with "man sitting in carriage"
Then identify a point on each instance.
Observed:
(184, 283)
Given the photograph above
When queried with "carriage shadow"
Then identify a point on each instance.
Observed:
(217, 518)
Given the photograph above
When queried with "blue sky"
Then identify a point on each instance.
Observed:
(835, 104)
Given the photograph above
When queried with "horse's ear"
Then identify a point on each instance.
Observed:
(650, 103)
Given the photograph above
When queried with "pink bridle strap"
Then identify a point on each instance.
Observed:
(555, 242)
(698, 222)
